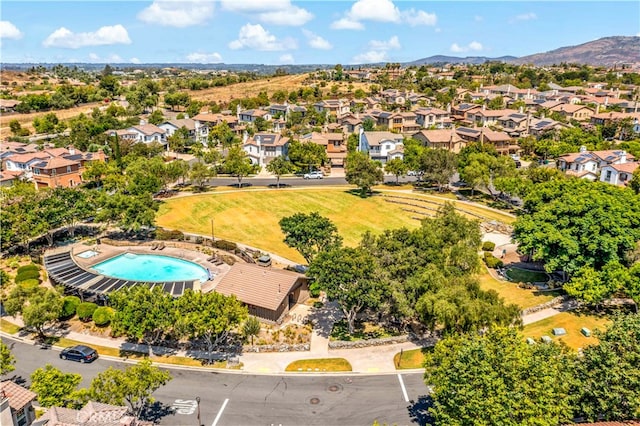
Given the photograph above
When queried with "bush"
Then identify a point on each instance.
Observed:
(488, 246)
(85, 310)
(30, 267)
(225, 245)
(27, 275)
(102, 316)
(69, 306)
(5, 278)
(492, 261)
(29, 284)
(163, 234)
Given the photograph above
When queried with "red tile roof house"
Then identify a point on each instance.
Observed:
(93, 413)
(441, 139)
(205, 121)
(264, 147)
(588, 164)
(618, 174)
(149, 133)
(269, 293)
(16, 404)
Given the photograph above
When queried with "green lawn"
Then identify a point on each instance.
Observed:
(251, 216)
(572, 322)
(518, 275)
(513, 294)
(319, 365)
(413, 358)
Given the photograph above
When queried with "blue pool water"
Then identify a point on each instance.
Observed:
(151, 267)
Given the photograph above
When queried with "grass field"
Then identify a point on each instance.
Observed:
(572, 322)
(413, 358)
(251, 216)
(513, 294)
(525, 276)
(319, 365)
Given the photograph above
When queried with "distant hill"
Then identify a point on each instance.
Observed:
(604, 51)
(442, 59)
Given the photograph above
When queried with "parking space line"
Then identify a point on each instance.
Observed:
(224, 404)
(404, 390)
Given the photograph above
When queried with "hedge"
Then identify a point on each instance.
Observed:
(27, 275)
(30, 267)
(163, 234)
(225, 245)
(492, 261)
(29, 284)
(102, 316)
(69, 306)
(85, 310)
(488, 246)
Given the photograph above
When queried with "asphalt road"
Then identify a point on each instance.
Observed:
(292, 181)
(242, 399)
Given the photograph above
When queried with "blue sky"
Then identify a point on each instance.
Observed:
(299, 32)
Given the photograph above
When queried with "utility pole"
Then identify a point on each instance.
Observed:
(212, 235)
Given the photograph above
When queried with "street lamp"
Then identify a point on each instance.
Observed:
(213, 240)
(198, 404)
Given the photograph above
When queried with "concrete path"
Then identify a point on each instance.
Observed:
(549, 312)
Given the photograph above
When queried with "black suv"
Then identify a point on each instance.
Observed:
(80, 353)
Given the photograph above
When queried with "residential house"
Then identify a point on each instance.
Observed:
(460, 112)
(268, 293)
(588, 164)
(351, 123)
(334, 144)
(264, 147)
(501, 141)
(604, 118)
(484, 117)
(203, 123)
(573, 112)
(92, 414)
(381, 146)
(441, 139)
(16, 404)
(171, 126)
(540, 126)
(276, 110)
(336, 107)
(433, 117)
(401, 122)
(618, 174)
(8, 178)
(394, 96)
(251, 115)
(149, 133)
(516, 124)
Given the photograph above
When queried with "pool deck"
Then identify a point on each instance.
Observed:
(107, 251)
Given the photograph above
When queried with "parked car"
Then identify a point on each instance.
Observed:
(314, 175)
(79, 353)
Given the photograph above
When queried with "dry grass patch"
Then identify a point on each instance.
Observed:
(572, 322)
(511, 293)
(319, 365)
(8, 327)
(411, 359)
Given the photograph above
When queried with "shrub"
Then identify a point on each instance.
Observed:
(29, 284)
(85, 310)
(30, 267)
(27, 275)
(102, 316)
(225, 245)
(164, 234)
(69, 306)
(5, 278)
(488, 246)
(492, 261)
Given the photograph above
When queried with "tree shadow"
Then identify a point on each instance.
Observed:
(156, 411)
(240, 185)
(282, 185)
(419, 410)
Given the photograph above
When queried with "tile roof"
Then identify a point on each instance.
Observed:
(18, 396)
(439, 135)
(374, 138)
(148, 129)
(625, 167)
(183, 122)
(258, 286)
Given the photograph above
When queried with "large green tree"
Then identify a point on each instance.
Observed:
(496, 378)
(280, 166)
(55, 388)
(238, 164)
(310, 234)
(362, 171)
(396, 167)
(7, 360)
(439, 166)
(307, 155)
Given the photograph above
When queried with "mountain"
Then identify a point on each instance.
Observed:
(442, 59)
(604, 51)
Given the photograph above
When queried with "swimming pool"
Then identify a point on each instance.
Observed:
(151, 268)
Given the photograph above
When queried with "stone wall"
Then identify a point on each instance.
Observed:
(283, 347)
(340, 344)
(550, 304)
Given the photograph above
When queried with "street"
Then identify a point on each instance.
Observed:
(244, 399)
(293, 181)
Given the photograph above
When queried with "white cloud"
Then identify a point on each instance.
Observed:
(382, 11)
(370, 57)
(178, 14)
(8, 30)
(478, 18)
(346, 24)
(251, 6)
(419, 17)
(94, 57)
(287, 58)
(204, 58)
(62, 37)
(257, 38)
(474, 46)
(316, 41)
(392, 43)
(134, 60)
(292, 16)
(524, 17)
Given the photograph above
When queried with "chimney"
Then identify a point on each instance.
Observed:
(143, 122)
(623, 157)
(521, 110)
(449, 108)
(484, 107)
(72, 150)
(598, 109)
(583, 148)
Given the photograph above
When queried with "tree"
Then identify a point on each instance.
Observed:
(130, 213)
(251, 328)
(55, 388)
(210, 317)
(348, 276)
(142, 313)
(7, 360)
(362, 171)
(310, 234)
(133, 386)
(439, 165)
(221, 134)
(306, 155)
(42, 308)
(497, 378)
(200, 173)
(368, 124)
(179, 140)
(238, 163)
(397, 167)
(634, 184)
(156, 117)
(608, 374)
(280, 166)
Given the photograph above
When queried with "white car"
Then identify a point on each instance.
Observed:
(314, 175)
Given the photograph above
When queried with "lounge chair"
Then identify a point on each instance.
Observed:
(212, 258)
(154, 246)
(161, 246)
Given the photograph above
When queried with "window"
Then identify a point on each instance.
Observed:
(21, 417)
(68, 169)
(607, 177)
(36, 171)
